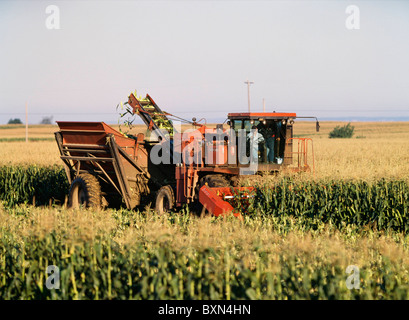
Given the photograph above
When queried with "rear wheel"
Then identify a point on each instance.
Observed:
(165, 200)
(85, 191)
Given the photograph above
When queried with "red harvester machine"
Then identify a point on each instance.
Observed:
(201, 168)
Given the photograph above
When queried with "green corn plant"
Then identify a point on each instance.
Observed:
(20, 184)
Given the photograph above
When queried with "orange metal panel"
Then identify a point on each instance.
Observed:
(263, 115)
(180, 185)
(213, 202)
(91, 133)
(213, 199)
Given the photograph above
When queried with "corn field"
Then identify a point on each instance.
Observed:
(295, 242)
(383, 205)
(157, 263)
(104, 271)
(32, 184)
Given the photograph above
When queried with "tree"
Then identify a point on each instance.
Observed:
(15, 121)
(345, 131)
(47, 120)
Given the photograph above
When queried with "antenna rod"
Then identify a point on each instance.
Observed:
(248, 90)
(26, 122)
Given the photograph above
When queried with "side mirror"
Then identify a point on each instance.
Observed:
(317, 126)
(229, 123)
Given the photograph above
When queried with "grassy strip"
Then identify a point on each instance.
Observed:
(23, 126)
(24, 139)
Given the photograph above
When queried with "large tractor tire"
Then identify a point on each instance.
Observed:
(165, 200)
(85, 191)
(213, 181)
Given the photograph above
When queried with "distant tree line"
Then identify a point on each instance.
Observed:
(45, 120)
(15, 121)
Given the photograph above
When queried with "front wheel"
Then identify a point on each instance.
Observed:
(85, 191)
(165, 200)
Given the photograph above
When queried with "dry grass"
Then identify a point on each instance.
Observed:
(381, 152)
(20, 153)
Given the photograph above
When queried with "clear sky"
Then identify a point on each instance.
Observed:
(193, 57)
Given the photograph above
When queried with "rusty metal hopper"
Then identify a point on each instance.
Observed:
(97, 148)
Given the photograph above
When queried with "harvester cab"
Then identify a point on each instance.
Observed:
(275, 141)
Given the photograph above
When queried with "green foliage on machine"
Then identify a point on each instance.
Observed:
(127, 117)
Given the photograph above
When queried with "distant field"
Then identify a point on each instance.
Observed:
(377, 150)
